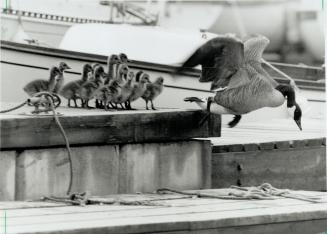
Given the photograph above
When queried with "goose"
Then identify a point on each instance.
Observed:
(139, 87)
(122, 70)
(113, 60)
(60, 79)
(70, 90)
(126, 91)
(40, 85)
(89, 88)
(152, 91)
(247, 89)
(107, 93)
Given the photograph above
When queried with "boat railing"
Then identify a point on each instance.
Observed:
(68, 19)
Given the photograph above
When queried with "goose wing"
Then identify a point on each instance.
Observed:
(253, 51)
(220, 57)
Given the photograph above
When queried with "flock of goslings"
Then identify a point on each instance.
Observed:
(116, 88)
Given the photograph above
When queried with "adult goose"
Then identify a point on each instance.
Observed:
(243, 87)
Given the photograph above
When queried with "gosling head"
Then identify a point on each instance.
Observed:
(160, 80)
(54, 71)
(114, 59)
(298, 116)
(145, 78)
(123, 58)
(123, 69)
(63, 66)
(131, 75)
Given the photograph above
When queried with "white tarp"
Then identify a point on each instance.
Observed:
(144, 43)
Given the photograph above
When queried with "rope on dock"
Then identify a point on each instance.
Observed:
(264, 191)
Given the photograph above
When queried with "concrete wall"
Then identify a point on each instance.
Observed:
(107, 169)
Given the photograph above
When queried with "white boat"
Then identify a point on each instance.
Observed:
(21, 63)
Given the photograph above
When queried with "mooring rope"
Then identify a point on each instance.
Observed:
(264, 191)
(51, 97)
(14, 108)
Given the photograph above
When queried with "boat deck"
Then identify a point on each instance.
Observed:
(170, 213)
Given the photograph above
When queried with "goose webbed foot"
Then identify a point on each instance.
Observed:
(235, 121)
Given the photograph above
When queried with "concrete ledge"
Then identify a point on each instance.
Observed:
(113, 169)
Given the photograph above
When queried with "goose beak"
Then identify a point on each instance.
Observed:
(298, 123)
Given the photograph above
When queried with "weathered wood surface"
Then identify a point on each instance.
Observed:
(112, 169)
(271, 130)
(272, 151)
(87, 127)
(172, 214)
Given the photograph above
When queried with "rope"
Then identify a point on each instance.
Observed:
(83, 199)
(230, 196)
(14, 108)
(50, 99)
(263, 192)
(67, 145)
(292, 82)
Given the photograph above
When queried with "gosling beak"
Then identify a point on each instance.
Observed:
(68, 67)
(298, 122)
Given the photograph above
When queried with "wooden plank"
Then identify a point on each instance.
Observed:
(7, 175)
(104, 128)
(298, 168)
(111, 169)
(167, 222)
(191, 215)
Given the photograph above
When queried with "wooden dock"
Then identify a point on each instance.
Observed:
(273, 151)
(170, 213)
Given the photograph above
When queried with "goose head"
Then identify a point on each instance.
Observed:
(63, 66)
(123, 70)
(54, 71)
(113, 59)
(99, 73)
(87, 71)
(131, 75)
(159, 80)
(138, 76)
(145, 78)
(123, 58)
